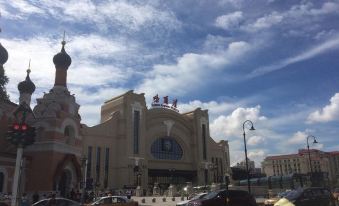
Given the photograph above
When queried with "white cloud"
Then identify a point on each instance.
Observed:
(131, 16)
(265, 22)
(315, 51)
(298, 138)
(328, 113)
(255, 140)
(297, 15)
(212, 106)
(327, 8)
(257, 156)
(189, 70)
(231, 125)
(229, 21)
(235, 3)
(95, 46)
(23, 9)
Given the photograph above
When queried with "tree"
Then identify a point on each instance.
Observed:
(3, 82)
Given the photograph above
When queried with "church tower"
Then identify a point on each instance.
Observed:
(57, 149)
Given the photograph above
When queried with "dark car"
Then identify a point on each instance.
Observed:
(313, 196)
(225, 198)
(59, 202)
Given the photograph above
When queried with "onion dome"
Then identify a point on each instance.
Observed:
(3, 55)
(62, 60)
(26, 86)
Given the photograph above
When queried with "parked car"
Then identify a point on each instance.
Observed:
(59, 202)
(225, 197)
(114, 200)
(271, 201)
(313, 196)
(196, 197)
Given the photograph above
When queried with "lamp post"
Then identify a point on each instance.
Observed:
(84, 168)
(309, 154)
(246, 159)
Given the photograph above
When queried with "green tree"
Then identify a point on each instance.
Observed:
(3, 82)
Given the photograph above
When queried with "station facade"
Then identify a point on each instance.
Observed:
(132, 146)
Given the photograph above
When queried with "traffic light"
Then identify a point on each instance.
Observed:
(20, 134)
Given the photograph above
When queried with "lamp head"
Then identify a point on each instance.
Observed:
(252, 128)
(315, 141)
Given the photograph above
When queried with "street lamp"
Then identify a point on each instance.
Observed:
(84, 172)
(309, 154)
(246, 159)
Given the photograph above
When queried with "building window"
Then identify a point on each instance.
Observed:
(166, 148)
(204, 141)
(2, 182)
(69, 134)
(136, 122)
(106, 167)
(97, 168)
(89, 162)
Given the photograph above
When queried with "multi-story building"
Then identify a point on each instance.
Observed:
(242, 164)
(133, 144)
(280, 165)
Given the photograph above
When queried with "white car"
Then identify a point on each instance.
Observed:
(198, 196)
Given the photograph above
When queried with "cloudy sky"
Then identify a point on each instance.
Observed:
(275, 62)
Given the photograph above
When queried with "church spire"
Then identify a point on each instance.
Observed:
(26, 88)
(61, 61)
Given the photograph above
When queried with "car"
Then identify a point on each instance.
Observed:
(336, 193)
(225, 197)
(114, 200)
(59, 202)
(271, 201)
(196, 197)
(313, 196)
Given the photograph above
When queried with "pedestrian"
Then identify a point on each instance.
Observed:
(35, 197)
(72, 194)
(128, 193)
(24, 200)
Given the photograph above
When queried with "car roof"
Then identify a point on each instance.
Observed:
(57, 198)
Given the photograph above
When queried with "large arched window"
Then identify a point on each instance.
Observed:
(166, 148)
(2, 182)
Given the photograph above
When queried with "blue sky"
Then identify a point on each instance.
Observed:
(274, 62)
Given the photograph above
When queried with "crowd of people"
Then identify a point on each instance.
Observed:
(75, 195)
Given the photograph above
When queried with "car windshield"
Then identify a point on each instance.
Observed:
(211, 195)
(293, 195)
(199, 196)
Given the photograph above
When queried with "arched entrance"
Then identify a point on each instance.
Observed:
(2, 182)
(65, 183)
(67, 175)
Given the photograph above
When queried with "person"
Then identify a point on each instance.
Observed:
(52, 201)
(24, 200)
(72, 194)
(128, 194)
(35, 197)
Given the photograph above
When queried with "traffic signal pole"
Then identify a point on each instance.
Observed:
(16, 176)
